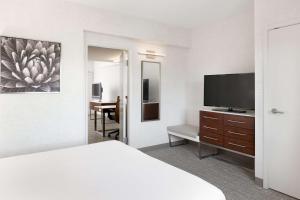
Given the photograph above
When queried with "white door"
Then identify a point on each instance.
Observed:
(123, 97)
(282, 110)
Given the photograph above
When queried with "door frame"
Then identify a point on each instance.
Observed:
(110, 45)
(265, 65)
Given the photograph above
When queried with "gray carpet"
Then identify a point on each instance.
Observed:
(235, 181)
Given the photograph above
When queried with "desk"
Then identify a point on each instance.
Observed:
(103, 109)
(98, 103)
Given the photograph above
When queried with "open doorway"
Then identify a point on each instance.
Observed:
(107, 94)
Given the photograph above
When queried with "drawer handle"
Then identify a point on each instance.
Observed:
(237, 145)
(235, 133)
(214, 118)
(207, 127)
(215, 139)
(239, 122)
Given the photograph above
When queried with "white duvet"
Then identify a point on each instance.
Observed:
(104, 171)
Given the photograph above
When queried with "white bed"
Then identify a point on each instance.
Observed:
(105, 171)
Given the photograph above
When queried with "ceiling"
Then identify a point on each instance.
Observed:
(179, 13)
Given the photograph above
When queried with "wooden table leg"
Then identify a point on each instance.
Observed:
(95, 120)
(103, 122)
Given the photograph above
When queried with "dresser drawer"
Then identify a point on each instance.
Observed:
(212, 122)
(211, 138)
(239, 145)
(239, 133)
(239, 121)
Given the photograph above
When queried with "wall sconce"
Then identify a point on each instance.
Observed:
(151, 54)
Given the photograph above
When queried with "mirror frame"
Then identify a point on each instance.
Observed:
(142, 90)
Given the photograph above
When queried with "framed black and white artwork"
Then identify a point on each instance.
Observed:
(29, 65)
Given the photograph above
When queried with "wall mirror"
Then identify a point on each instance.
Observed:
(150, 90)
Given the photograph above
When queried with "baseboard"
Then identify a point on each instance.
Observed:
(259, 181)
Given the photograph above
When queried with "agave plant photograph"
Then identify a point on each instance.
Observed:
(29, 65)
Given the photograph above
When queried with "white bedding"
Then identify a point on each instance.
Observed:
(104, 171)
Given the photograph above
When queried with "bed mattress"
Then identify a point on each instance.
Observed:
(109, 170)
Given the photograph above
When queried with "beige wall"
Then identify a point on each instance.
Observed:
(219, 48)
(38, 122)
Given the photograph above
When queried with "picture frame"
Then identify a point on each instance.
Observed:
(28, 65)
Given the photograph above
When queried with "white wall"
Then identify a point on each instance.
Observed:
(173, 101)
(220, 48)
(268, 13)
(36, 122)
(108, 74)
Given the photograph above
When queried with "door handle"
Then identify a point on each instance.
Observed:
(275, 111)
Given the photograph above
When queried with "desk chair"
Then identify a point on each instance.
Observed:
(116, 118)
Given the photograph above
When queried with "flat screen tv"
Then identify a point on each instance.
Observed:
(230, 91)
(97, 91)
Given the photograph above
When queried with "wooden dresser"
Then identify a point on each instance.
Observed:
(228, 131)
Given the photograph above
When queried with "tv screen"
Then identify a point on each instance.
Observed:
(97, 90)
(230, 90)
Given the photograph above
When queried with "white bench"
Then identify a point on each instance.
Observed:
(187, 132)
